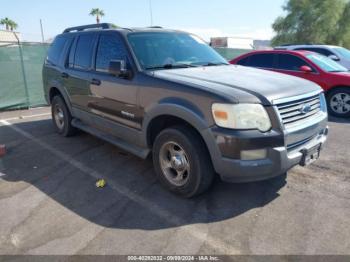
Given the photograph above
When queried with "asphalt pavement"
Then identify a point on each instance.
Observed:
(49, 203)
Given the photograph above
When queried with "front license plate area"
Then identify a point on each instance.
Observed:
(311, 155)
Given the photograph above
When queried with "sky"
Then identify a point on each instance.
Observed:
(206, 18)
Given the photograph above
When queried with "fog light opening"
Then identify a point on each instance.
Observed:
(253, 154)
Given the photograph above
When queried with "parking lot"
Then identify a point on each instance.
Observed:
(50, 205)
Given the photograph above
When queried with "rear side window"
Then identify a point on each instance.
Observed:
(290, 62)
(261, 60)
(110, 47)
(56, 49)
(84, 51)
(243, 61)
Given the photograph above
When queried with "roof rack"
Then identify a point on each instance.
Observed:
(155, 26)
(92, 26)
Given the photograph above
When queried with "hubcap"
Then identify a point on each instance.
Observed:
(58, 116)
(340, 103)
(174, 163)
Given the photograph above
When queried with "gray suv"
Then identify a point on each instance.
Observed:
(168, 94)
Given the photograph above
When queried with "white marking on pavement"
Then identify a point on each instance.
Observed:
(24, 117)
(2, 174)
(215, 243)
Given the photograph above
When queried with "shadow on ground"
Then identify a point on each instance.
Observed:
(339, 120)
(132, 199)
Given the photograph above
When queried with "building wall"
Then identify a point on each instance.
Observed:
(8, 36)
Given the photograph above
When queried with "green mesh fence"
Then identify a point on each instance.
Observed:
(231, 53)
(20, 75)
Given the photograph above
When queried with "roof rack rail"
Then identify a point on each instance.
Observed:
(155, 26)
(92, 26)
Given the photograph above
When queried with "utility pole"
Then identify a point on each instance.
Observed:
(150, 11)
(42, 31)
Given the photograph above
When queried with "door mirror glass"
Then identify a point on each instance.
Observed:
(118, 68)
(334, 57)
(305, 69)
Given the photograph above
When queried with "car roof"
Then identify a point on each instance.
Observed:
(292, 52)
(110, 27)
(288, 47)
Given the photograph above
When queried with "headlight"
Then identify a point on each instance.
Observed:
(241, 116)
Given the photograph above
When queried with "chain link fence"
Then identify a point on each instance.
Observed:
(20, 74)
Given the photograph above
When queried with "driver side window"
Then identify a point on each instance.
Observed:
(110, 47)
(291, 63)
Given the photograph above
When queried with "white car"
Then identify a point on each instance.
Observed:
(336, 53)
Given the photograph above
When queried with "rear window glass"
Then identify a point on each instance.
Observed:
(55, 51)
(261, 60)
(83, 51)
(243, 61)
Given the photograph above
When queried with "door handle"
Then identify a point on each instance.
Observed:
(64, 75)
(95, 82)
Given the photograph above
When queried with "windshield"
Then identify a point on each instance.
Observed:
(326, 63)
(342, 52)
(165, 50)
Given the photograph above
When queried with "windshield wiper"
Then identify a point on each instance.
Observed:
(170, 66)
(337, 71)
(215, 64)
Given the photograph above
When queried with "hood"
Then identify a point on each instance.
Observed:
(231, 80)
(345, 63)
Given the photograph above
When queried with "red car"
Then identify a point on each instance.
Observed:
(331, 76)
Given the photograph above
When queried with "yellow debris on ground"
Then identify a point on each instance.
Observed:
(101, 183)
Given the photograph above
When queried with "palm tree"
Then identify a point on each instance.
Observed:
(13, 25)
(98, 13)
(6, 22)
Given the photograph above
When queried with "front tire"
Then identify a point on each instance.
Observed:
(61, 117)
(182, 162)
(338, 102)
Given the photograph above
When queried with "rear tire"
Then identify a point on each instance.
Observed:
(338, 102)
(61, 117)
(182, 162)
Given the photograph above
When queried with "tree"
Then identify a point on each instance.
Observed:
(13, 25)
(343, 31)
(6, 22)
(310, 21)
(98, 13)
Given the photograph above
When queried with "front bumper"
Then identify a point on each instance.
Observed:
(225, 146)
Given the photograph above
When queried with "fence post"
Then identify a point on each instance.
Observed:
(23, 70)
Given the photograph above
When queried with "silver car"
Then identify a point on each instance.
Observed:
(336, 53)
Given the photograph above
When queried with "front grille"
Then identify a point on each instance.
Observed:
(296, 111)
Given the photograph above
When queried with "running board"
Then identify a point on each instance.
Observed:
(135, 150)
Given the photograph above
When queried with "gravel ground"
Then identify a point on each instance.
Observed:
(49, 203)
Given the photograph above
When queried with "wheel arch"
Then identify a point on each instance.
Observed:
(59, 90)
(168, 113)
(332, 89)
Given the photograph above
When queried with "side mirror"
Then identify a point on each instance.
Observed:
(334, 58)
(118, 68)
(305, 69)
